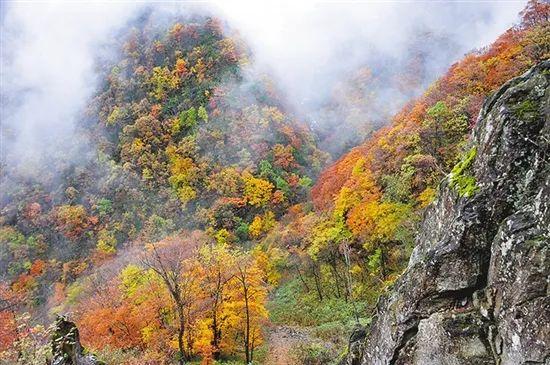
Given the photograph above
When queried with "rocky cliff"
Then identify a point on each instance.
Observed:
(476, 287)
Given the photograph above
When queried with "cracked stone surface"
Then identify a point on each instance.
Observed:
(476, 288)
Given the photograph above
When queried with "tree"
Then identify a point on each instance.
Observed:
(31, 346)
(251, 294)
(535, 12)
(106, 241)
(72, 220)
(345, 250)
(181, 67)
(261, 224)
(257, 192)
(10, 301)
(184, 175)
(171, 261)
(283, 156)
(162, 82)
(216, 270)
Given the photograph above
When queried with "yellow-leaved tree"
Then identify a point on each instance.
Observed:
(247, 306)
(215, 270)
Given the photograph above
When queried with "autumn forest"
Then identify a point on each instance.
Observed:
(207, 220)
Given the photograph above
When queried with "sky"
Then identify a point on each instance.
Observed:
(48, 50)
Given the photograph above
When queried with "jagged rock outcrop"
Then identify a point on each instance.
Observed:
(66, 347)
(476, 289)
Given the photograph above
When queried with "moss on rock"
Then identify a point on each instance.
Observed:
(460, 179)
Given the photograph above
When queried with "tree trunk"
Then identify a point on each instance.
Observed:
(247, 332)
(302, 278)
(216, 331)
(216, 334)
(181, 331)
(189, 353)
(382, 263)
(317, 283)
(252, 347)
(333, 265)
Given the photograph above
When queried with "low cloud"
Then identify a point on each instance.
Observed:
(49, 52)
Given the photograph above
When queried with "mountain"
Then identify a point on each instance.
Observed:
(376, 194)
(202, 220)
(184, 139)
(181, 136)
(475, 289)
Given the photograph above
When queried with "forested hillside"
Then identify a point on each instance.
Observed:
(375, 193)
(204, 219)
(186, 140)
(474, 291)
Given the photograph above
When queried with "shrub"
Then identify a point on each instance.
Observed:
(312, 354)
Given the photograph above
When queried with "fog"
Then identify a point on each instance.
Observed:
(49, 50)
(316, 50)
(310, 45)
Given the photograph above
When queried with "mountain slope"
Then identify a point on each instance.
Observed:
(185, 231)
(373, 197)
(181, 136)
(475, 290)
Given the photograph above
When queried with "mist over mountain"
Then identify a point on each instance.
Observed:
(234, 182)
(309, 49)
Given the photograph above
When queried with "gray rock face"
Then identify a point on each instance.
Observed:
(476, 289)
(66, 347)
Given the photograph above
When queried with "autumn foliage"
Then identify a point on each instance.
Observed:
(196, 210)
(210, 294)
(372, 196)
(427, 133)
